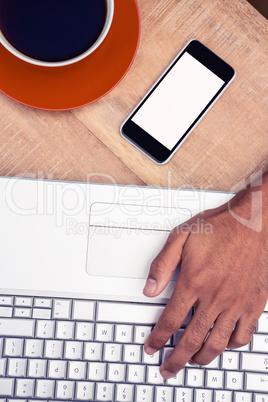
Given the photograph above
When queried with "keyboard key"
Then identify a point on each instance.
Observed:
(261, 397)
(163, 394)
(6, 386)
(135, 373)
(34, 400)
(230, 361)
(132, 353)
(244, 348)
(53, 349)
(215, 364)
(154, 376)
(84, 331)
(83, 310)
(254, 362)
(178, 380)
(77, 370)
(256, 382)
(84, 391)
(57, 369)
(61, 309)
(42, 313)
(144, 393)
(13, 347)
(97, 371)
(104, 391)
(263, 323)
(16, 400)
(64, 329)
(234, 380)
(214, 379)
(42, 302)
(16, 327)
(6, 300)
(151, 359)
(124, 392)
(141, 333)
(123, 333)
(242, 397)
(45, 329)
(73, 350)
(3, 363)
(260, 343)
(24, 388)
(93, 351)
(112, 352)
(194, 377)
(104, 332)
(184, 394)
(37, 368)
(166, 352)
(33, 348)
(6, 311)
(16, 367)
(23, 301)
(65, 389)
(223, 396)
(116, 372)
(128, 313)
(45, 389)
(203, 395)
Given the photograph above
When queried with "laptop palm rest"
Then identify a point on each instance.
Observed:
(124, 238)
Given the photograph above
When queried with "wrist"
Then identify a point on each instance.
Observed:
(250, 206)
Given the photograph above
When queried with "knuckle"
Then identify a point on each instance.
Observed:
(215, 347)
(243, 337)
(241, 340)
(195, 282)
(202, 322)
(158, 266)
(169, 323)
(225, 331)
(250, 329)
(192, 343)
(173, 363)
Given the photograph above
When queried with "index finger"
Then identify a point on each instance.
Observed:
(171, 319)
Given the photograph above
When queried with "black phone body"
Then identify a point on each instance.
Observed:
(177, 101)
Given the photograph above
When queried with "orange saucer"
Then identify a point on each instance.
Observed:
(76, 85)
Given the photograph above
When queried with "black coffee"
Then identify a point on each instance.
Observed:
(52, 30)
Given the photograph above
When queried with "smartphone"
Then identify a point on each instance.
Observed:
(177, 101)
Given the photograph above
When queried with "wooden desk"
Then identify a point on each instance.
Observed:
(228, 145)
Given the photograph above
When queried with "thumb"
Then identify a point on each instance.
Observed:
(166, 262)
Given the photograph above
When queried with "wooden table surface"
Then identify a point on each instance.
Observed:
(84, 144)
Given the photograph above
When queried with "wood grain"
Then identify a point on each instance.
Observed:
(37, 143)
(228, 145)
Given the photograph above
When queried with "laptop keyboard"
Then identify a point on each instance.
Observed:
(84, 350)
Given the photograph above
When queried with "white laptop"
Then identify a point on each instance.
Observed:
(88, 240)
(74, 258)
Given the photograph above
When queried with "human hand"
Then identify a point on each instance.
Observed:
(224, 275)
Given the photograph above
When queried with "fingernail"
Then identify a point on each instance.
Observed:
(150, 351)
(167, 374)
(150, 286)
(192, 363)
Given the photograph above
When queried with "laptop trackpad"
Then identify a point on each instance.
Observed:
(124, 239)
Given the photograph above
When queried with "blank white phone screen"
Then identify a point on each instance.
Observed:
(178, 100)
